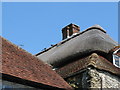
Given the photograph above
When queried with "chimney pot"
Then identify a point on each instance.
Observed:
(70, 30)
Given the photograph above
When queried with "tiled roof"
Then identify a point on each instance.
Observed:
(17, 62)
(93, 39)
(94, 60)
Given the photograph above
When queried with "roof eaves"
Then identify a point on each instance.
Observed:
(27, 82)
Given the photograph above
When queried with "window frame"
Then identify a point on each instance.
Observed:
(115, 56)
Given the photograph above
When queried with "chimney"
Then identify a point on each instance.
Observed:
(70, 30)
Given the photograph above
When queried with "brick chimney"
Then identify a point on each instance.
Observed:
(70, 30)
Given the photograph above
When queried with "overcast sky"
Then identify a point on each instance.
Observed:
(35, 26)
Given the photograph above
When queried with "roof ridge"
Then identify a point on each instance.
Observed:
(96, 26)
(94, 59)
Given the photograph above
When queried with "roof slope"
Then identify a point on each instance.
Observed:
(90, 40)
(19, 63)
(94, 60)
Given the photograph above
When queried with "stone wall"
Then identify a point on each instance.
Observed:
(93, 78)
(109, 80)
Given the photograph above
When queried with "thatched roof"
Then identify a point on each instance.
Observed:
(93, 39)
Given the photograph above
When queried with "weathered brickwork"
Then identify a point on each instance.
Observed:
(92, 78)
